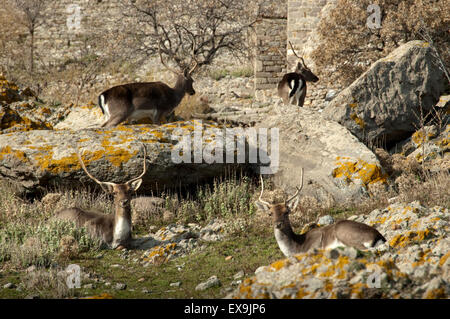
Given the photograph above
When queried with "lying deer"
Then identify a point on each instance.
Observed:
(292, 87)
(154, 100)
(114, 229)
(345, 233)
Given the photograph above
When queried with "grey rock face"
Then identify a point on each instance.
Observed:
(37, 159)
(383, 103)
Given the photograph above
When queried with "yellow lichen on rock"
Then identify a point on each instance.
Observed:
(358, 169)
(358, 120)
(402, 240)
(7, 150)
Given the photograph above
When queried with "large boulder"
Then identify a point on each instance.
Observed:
(38, 159)
(384, 105)
(337, 167)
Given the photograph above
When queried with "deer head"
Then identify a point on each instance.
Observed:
(303, 69)
(279, 211)
(184, 78)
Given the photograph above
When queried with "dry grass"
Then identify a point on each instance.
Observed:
(192, 105)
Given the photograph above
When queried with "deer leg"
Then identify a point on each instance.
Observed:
(115, 120)
(301, 99)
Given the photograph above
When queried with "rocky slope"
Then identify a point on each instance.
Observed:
(413, 263)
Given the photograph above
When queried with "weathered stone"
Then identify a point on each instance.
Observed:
(212, 281)
(336, 165)
(343, 273)
(384, 102)
(38, 159)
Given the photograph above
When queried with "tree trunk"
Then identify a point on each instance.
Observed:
(32, 52)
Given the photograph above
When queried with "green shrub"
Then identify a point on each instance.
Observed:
(26, 245)
(224, 199)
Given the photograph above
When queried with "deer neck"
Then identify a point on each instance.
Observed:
(289, 242)
(122, 224)
(179, 88)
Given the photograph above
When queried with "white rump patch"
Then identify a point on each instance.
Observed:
(335, 244)
(105, 107)
(367, 245)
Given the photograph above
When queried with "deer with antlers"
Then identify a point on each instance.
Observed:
(344, 233)
(114, 229)
(292, 87)
(155, 100)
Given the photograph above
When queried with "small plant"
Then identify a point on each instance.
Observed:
(39, 245)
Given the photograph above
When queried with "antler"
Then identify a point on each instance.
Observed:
(298, 189)
(262, 191)
(89, 174)
(293, 50)
(162, 60)
(145, 167)
(193, 58)
(102, 184)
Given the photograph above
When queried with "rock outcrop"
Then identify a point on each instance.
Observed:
(384, 104)
(414, 263)
(40, 159)
(337, 166)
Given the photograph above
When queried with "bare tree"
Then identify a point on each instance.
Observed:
(32, 15)
(191, 30)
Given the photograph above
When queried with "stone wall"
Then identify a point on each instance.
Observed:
(71, 24)
(280, 22)
(271, 37)
(302, 18)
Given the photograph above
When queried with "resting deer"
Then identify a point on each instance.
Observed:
(113, 229)
(292, 87)
(155, 100)
(345, 233)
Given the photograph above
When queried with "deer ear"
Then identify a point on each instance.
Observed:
(136, 184)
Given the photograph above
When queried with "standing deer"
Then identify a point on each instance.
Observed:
(149, 99)
(344, 233)
(292, 87)
(113, 229)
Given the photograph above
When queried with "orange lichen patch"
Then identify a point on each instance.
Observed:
(104, 295)
(13, 121)
(44, 111)
(423, 258)
(7, 150)
(277, 265)
(336, 269)
(353, 169)
(403, 240)
(301, 293)
(88, 106)
(358, 121)
(245, 289)
(421, 137)
(443, 259)
(387, 265)
(161, 252)
(435, 294)
(353, 105)
(9, 92)
(357, 289)
(380, 220)
(46, 161)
